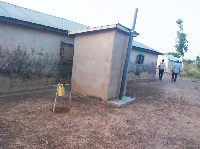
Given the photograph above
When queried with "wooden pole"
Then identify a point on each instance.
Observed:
(70, 99)
(54, 105)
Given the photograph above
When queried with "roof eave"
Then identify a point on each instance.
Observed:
(32, 25)
(113, 26)
(148, 50)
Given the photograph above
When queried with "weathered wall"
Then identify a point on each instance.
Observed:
(117, 64)
(147, 70)
(91, 64)
(30, 57)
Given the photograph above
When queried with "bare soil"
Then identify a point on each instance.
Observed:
(164, 115)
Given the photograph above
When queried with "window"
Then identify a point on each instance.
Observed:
(66, 52)
(140, 59)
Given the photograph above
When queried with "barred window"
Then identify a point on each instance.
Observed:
(140, 59)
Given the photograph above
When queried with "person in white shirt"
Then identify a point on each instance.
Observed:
(175, 70)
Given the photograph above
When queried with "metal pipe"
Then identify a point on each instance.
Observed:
(128, 56)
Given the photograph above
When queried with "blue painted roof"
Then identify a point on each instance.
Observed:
(15, 12)
(172, 58)
(145, 48)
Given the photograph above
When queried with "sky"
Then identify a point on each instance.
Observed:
(156, 19)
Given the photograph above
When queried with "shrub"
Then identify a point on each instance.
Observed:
(194, 73)
(186, 68)
(198, 65)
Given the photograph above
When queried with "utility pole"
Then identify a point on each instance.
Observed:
(128, 55)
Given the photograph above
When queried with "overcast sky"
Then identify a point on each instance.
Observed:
(156, 20)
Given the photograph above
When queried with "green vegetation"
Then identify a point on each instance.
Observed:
(187, 61)
(181, 41)
(175, 54)
(191, 70)
(198, 61)
(186, 68)
(194, 73)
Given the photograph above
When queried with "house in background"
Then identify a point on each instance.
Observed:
(143, 62)
(35, 49)
(169, 61)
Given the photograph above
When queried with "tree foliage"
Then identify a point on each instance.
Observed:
(198, 61)
(198, 58)
(175, 54)
(187, 61)
(181, 41)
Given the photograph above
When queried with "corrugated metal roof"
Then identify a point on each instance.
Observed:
(140, 45)
(172, 58)
(12, 11)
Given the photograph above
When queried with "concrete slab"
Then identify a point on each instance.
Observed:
(121, 103)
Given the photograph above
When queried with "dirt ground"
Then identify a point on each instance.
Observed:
(165, 115)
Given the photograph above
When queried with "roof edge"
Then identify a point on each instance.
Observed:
(148, 50)
(118, 26)
(92, 29)
(32, 25)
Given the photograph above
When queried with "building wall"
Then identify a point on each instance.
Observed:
(117, 64)
(91, 64)
(30, 57)
(147, 70)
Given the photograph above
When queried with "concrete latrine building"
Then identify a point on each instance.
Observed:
(99, 58)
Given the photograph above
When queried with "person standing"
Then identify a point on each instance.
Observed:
(162, 68)
(175, 70)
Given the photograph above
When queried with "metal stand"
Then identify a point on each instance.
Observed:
(56, 101)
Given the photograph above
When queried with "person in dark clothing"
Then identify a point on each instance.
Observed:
(175, 70)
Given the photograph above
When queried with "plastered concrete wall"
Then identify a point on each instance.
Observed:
(120, 46)
(147, 70)
(30, 54)
(91, 64)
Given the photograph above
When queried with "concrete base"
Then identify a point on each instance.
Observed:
(121, 103)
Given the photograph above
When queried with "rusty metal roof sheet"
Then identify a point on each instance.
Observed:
(15, 12)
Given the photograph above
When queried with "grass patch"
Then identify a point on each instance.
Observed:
(194, 73)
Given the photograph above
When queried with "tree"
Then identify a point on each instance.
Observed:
(187, 61)
(198, 58)
(181, 41)
(175, 54)
(198, 61)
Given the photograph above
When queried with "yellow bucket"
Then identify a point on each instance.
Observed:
(61, 90)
